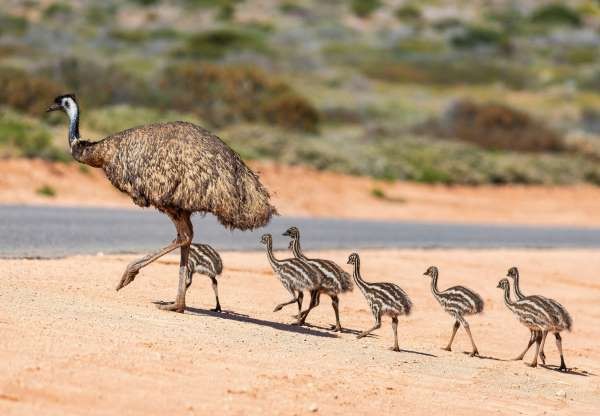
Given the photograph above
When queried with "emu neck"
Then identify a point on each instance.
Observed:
(517, 288)
(434, 288)
(507, 300)
(274, 262)
(357, 278)
(296, 249)
(73, 114)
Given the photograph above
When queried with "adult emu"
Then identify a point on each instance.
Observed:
(178, 168)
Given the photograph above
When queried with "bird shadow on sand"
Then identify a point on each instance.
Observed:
(570, 371)
(426, 354)
(233, 316)
(485, 357)
(344, 330)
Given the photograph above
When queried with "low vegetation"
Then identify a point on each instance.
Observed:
(412, 90)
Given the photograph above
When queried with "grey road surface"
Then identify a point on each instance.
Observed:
(27, 231)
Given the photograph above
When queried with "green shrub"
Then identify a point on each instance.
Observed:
(364, 8)
(26, 92)
(214, 44)
(58, 10)
(14, 25)
(145, 3)
(46, 190)
(20, 137)
(111, 119)
(222, 95)
(556, 14)
(408, 13)
(476, 36)
(442, 70)
(378, 193)
(97, 85)
(497, 126)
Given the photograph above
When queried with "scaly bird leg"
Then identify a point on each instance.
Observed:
(395, 328)
(314, 302)
(215, 287)
(454, 329)
(376, 326)
(563, 366)
(335, 302)
(538, 341)
(542, 355)
(134, 267)
(185, 233)
(531, 341)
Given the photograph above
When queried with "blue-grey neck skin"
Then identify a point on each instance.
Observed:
(73, 126)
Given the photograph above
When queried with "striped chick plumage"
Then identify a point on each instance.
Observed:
(204, 259)
(458, 302)
(383, 299)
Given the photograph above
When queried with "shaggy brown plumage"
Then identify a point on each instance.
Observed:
(178, 168)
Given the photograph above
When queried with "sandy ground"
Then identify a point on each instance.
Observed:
(72, 345)
(301, 191)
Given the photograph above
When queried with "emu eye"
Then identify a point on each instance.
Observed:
(66, 103)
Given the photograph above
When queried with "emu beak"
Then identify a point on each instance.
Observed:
(286, 234)
(53, 107)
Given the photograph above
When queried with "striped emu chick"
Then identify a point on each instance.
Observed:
(334, 280)
(383, 298)
(559, 313)
(295, 275)
(205, 260)
(531, 312)
(458, 301)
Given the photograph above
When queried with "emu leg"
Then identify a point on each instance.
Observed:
(281, 305)
(538, 341)
(215, 287)
(395, 328)
(134, 267)
(563, 366)
(300, 299)
(541, 354)
(368, 331)
(185, 232)
(335, 302)
(531, 341)
(454, 329)
(474, 352)
(314, 302)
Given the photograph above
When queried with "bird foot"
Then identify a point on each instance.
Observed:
(543, 358)
(171, 307)
(446, 349)
(278, 308)
(361, 335)
(298, 323)
(563, 369)
(217, 309)
(336, 328)
(532, 365)
(128, 276)
(474, 354)
(396, 349)
(519, 358)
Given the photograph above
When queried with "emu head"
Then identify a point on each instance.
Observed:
(432, 271)
(266, 239)
(353, 259)
(66, 103)
(513, 272)
(292, 232)
(503, 284)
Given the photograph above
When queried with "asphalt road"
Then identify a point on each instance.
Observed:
(27, 231)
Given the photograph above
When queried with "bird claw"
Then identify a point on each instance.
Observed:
(532, 365)
(128, 277)
(217, 309)
(336, 328)
(543, 358)
(446, 349)
(474, 354)
(171, 307)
